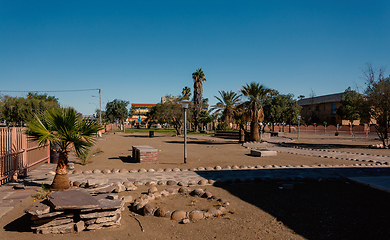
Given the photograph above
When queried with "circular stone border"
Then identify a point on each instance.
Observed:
(141, 205)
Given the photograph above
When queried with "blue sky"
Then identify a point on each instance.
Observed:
(140, 51)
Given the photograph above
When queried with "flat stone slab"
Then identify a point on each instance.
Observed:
(72, 199)
(104, 203)
(263, 153)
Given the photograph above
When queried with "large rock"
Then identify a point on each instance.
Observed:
(148, 210)
(116, 222)
(160, 212)
(55, 222)
(178, 215)
(41, 221)
(118, 188)
(130, 186)
(67, 228)
(71, 199)
(152, 189)
(99, 214)
(103, 219)
(79, 226)
(38, 209)
(197, 192)
(195, 215)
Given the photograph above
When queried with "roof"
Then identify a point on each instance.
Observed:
(320, 99)
(143, 104)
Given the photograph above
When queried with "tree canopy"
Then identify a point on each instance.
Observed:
(18, 110)
(170, 113)
(378, 100)
(117, 110)
(227, 101)
(351, 105)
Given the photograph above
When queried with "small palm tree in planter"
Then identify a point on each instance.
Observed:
(67, 129)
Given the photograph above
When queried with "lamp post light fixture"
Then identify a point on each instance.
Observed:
(299, 120)
(184, 104)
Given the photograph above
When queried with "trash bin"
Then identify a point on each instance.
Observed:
(151, 134)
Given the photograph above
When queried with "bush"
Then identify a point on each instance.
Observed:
(336, 133)
(222, 126)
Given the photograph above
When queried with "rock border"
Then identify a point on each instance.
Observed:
(141, 205)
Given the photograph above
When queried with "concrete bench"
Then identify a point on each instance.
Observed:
(263, 153)
(277, 134)
(145, 154)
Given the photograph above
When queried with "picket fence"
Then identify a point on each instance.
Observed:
(19, 154)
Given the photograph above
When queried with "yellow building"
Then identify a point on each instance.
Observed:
(139, 111)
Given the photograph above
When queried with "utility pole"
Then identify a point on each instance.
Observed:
(100, 105)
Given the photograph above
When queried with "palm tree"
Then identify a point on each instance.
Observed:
(226, 105)
(198, 77)
(66, 129)
(186, 93)
(256, 95)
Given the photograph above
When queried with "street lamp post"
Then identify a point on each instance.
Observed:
(299, 120)
(184, 104)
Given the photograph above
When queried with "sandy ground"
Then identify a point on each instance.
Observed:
(262, 210)
(117, 151)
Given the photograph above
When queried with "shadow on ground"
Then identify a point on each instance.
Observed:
(326, 146)
(125, 159)
(21, 224)
(313, 207)
(202, 142)
(322, 210)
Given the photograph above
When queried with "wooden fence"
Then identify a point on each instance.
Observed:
(19, 154)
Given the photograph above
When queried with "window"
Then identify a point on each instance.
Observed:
(333, 109)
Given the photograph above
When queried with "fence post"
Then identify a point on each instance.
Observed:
(24, 154)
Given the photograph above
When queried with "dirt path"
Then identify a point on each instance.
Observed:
(262, 210)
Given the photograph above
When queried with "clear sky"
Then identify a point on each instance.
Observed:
(140, 51)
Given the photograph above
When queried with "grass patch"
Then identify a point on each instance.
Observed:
(161, 130)
(42, 193)
(146, 130)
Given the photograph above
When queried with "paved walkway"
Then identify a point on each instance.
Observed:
(375, 173)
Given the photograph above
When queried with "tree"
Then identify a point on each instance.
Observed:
(272, 109)
(16, 110)
(226, 105)
(256, 95)
(170, 113)
(186, 93)
(198, 77)
(204, 118)
(241, 119)
(66, 129)
(281, 108)
(351, 106)
(117, 110)
(293, 111)
(378, 99)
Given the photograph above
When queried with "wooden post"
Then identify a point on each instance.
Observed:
(24, 154)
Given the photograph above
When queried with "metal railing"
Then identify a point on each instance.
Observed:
(19, 154)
